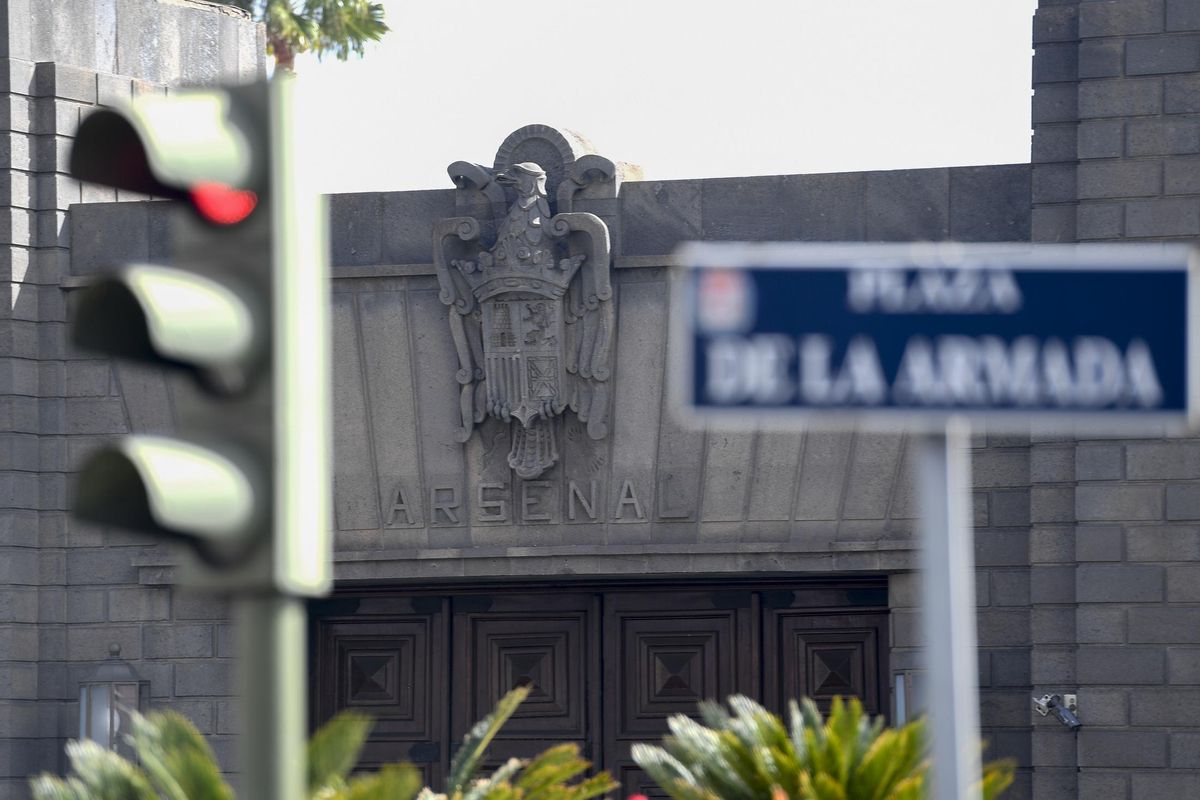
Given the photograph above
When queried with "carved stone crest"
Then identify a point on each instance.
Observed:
(527, 282)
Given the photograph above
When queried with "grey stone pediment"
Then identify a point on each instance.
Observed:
(410, 481)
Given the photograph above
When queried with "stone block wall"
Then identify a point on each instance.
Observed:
(1001, 476)
(1116, 157)
(67, 591)
(1139, 120)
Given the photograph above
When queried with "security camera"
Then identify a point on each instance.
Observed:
(1065, 712)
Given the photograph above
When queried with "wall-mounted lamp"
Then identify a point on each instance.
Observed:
(106, 698)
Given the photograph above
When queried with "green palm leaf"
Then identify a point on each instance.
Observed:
(751, 755)
(997, 776)
(48, 787)
(497, 785)
(333, 750)
(101, 774)
(475, 743)
(345, 26)
(340, 27)
(148, 742)
(183, 760)
(665, 769)
(556, 765)
(595, 786)
(393, 782)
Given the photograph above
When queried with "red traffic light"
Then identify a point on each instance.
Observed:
(221, 204)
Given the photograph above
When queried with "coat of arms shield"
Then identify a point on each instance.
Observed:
(531, 314)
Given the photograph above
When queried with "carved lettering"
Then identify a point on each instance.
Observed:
(445, 506)
(494, 501)
(399, 506)
(664, 493)
(496, 509)
(588, 503)
(528, 502)
(628, 498)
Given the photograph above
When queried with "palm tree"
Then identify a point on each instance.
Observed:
(340, 27)
(752, 755)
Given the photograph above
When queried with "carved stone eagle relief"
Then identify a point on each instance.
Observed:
(531, 312)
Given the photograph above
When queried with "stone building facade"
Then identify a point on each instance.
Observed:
(648, 564)
(66, 593)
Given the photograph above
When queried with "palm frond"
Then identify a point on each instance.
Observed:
(345, 26)
(665, 769)
(48, 787)
(556, 765)
(294, 28)
(496, 784)
(340, 27)
(713, 714)
(393, 782)
(188, 758)
(147, 740)
(997, 776)
(333, 750)
(475, 743)
(104, 775)
(595, 786)
(750, 754)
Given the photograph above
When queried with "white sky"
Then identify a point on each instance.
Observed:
(685, 89)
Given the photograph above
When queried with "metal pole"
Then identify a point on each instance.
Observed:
(948, 547)
(273, 682)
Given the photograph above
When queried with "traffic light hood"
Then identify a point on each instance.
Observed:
(168, 486)
(168, 146)
(165, 315)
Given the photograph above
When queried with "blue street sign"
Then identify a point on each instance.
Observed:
(1074, 336)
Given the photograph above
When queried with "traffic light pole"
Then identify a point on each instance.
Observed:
(273, 659)
(272, 669)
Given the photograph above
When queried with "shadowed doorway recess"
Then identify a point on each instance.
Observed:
(607, 663)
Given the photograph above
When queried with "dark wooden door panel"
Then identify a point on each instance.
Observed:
(549, 643)
(668, 665)
(389, 664)
(666, 651)
(383, 669)
(821, 656)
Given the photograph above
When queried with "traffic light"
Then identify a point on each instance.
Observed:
(244, 311)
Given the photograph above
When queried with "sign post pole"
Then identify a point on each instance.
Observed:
(948, 609)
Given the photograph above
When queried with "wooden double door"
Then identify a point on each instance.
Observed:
(607, 664)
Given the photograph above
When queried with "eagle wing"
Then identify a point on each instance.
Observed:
(454, 254)
(589, 318)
